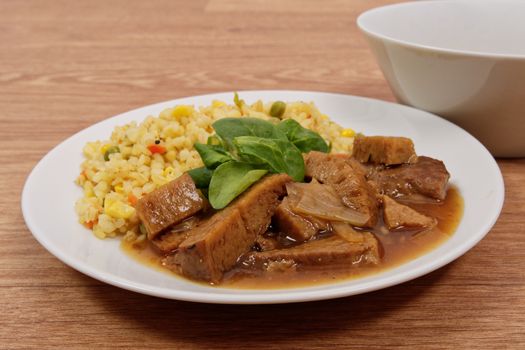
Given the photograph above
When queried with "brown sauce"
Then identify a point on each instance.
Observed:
(398, 247)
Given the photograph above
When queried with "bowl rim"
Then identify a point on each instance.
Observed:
(429, 48)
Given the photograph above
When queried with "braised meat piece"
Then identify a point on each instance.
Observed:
(347, 232)
(325, 168)
(281, 266)
(258, 204)
(384, 150)
(170, 239)
(263, 243)
(397, 215)
(215, 244)
(212, 247)
(427, 177)
(169, 205)
(349, 182)
(299, 227)
(321, 252)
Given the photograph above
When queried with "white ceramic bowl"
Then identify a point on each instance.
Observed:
(461, 59)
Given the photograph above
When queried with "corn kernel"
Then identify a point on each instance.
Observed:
(104, 148)
(348, 132)
(118, 209)
(217, 103)
(119, 189)
(170, 156)
(182, 111)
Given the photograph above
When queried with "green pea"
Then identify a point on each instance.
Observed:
(110, 150)
(277, 109)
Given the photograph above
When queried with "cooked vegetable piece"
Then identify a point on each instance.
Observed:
(231, 179)
(280, 156)
(304, 139)
(324, 202)
(157, 149)
(212, 156)
(132, 199)
(201, 176)
(277, 109)
(110, 150)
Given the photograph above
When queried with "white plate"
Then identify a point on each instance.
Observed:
(50, 193)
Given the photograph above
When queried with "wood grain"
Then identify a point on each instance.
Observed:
(67, 64)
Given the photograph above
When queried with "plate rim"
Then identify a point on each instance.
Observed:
(269, 296)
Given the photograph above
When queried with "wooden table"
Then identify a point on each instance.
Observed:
(67, 64)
